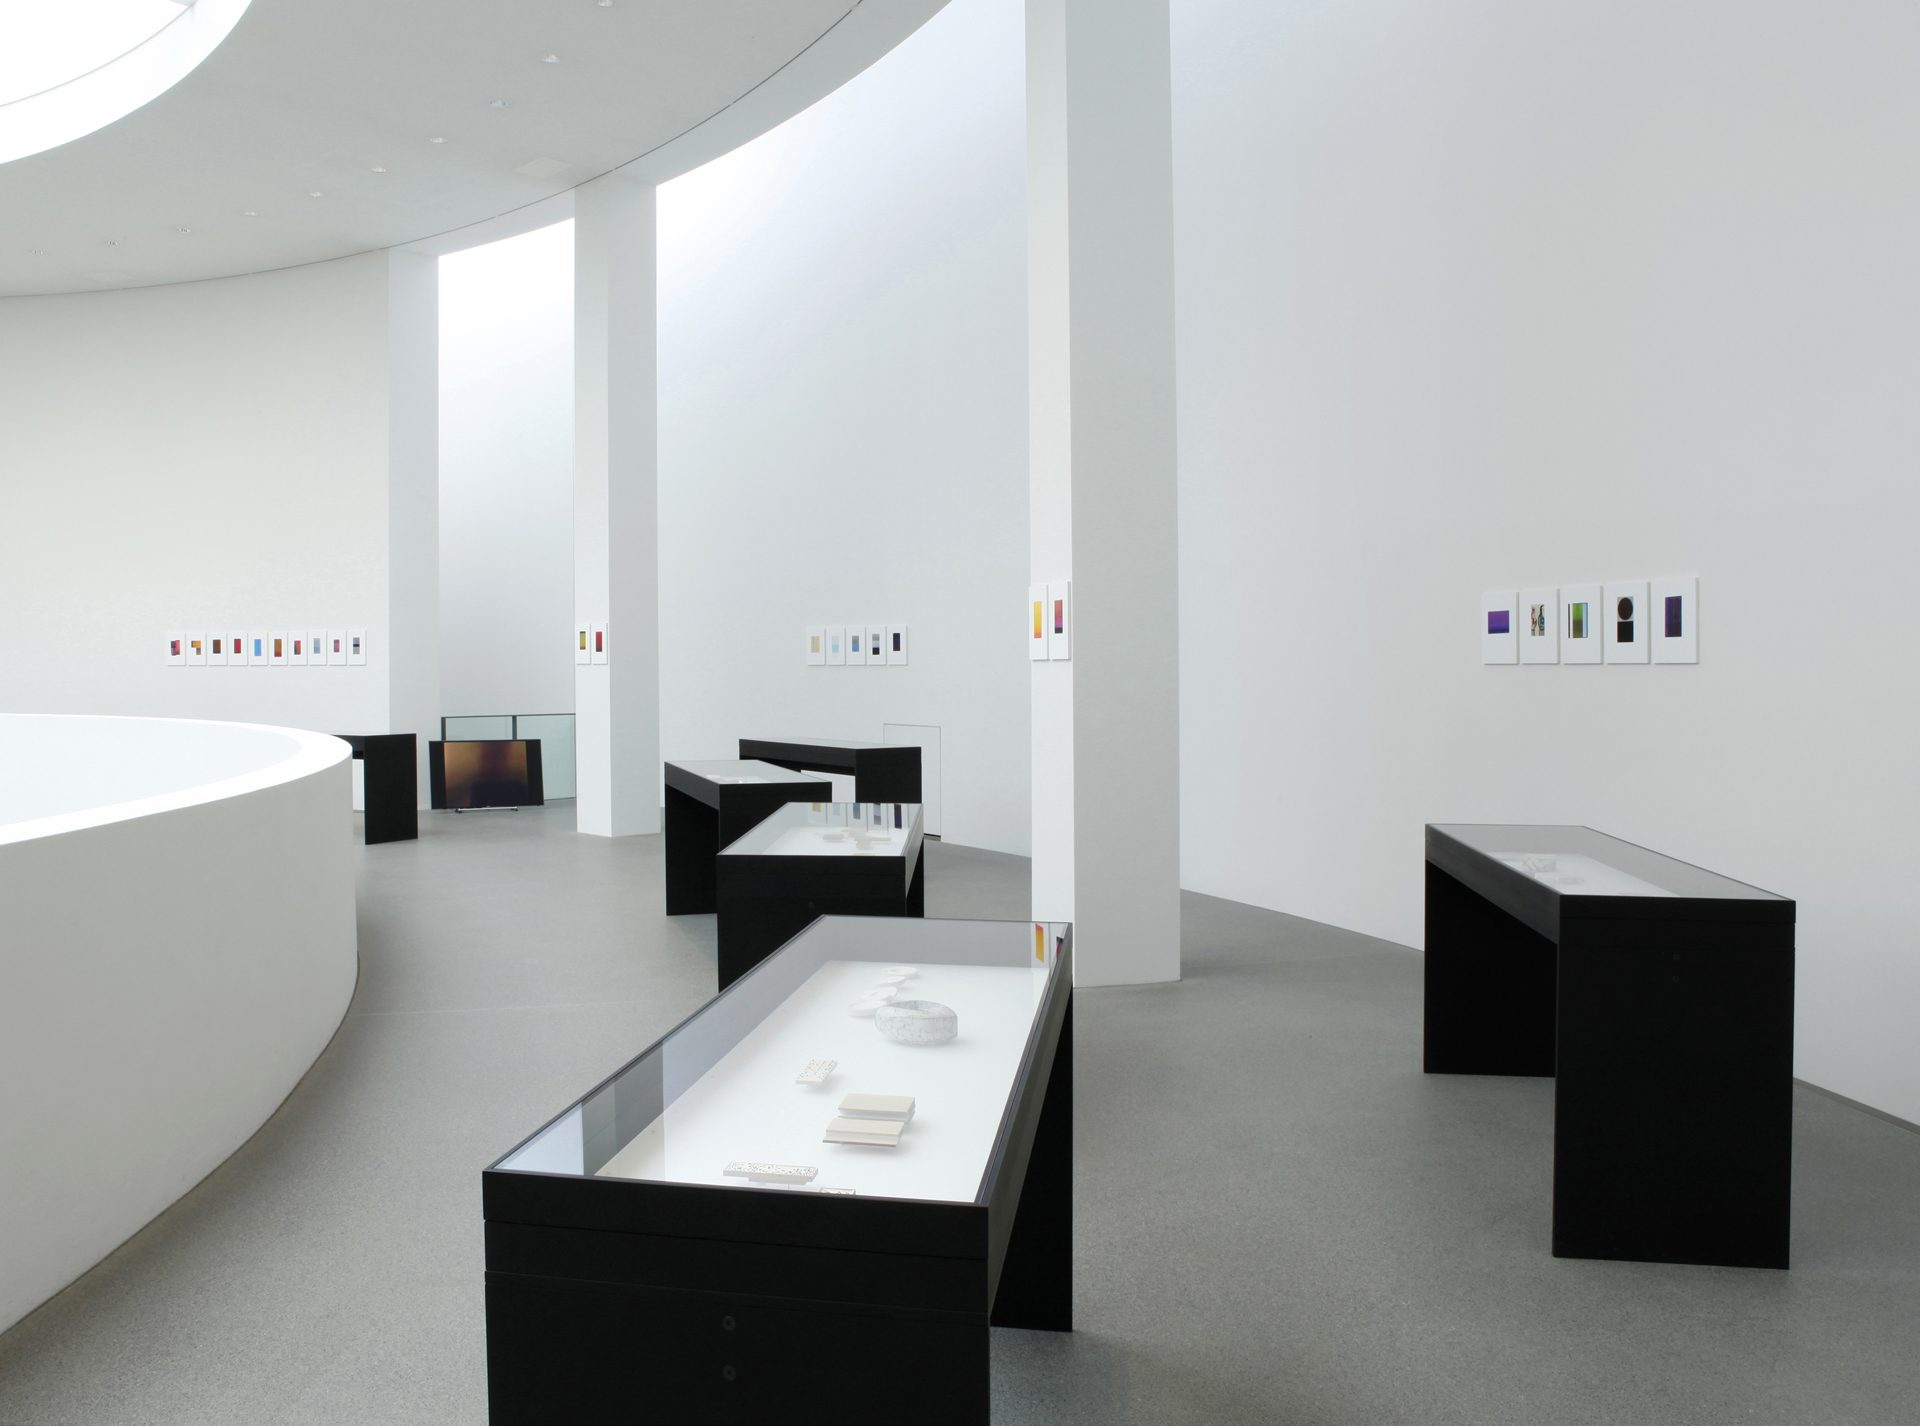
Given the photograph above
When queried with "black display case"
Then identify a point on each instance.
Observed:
(808, 859)
(712, 803)
(390, 784)
(1660, 997)
(635, 1272)
(882, 772)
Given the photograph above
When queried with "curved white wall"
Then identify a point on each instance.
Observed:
(843, 410)
(1482, 295)
(175, 956)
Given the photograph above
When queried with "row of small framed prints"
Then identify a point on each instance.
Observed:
(274, 649)
(1629, 621)
(855, 643)
(1051, 608)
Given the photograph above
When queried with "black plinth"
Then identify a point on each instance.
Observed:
(882, 772)
(704, 812)
(391, 784)
(1660, 996)
(773, 882)
(636, 1299)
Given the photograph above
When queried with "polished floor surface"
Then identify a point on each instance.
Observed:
(1279, 1218)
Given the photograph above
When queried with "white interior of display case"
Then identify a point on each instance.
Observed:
(747, 1105)
(1574, 874)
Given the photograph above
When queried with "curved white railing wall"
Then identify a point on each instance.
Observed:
(177, 948)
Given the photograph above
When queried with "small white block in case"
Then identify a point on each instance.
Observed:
(882, 1133)
(771, 1173)
(816, 1072)
(897, 1107)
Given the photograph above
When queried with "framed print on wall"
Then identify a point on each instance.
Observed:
(317, 648)
(175, 646)
(836, 643)
(816, 644)
(597, 640)
(856, 644)
(257, 648)
(1038, 622)
(1675, 616)
(277, 648)
(1580, 623)
(582, 646)
(236, 648)
(876, 645)
(1539, 626)
(336, 646)
(297, 647)
(896, 643)
(1059, 618)
(1499, 638)
(196, 650)
(356, 646)
(1623, 621)
(217, 650)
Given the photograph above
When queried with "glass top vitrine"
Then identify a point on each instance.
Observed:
(834, 829)
(734, 771)
(1578, 861)
(808, 1040)
(882, 772)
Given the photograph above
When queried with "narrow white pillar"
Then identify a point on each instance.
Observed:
(615, 517)
(410, 651)
(1106, 748)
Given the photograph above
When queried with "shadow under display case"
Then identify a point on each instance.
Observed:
(809, 1201)
(1660, 998)
(809, 859)
(711, 803)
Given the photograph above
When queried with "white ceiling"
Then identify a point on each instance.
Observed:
(308, 96)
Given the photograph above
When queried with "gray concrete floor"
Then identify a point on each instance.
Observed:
(1279, 1218)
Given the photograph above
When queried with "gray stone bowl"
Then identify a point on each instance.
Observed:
(917, 1022)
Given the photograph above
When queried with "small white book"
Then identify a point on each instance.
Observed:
(771, 1173)
(883, 1133)
(878, 1106)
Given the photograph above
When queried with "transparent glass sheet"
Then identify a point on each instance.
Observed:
(724, 1088)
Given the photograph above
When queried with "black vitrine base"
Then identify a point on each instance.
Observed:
(764, 902)
(1667, 1024)
(391, 784)
(701, 817)
(638, 1300)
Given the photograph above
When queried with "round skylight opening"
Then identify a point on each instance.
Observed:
(68, 68)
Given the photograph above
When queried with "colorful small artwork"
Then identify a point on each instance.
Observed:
(1499, 621)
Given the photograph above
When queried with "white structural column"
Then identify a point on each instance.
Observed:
(410, 652)
(615, 506)
(1106, 804)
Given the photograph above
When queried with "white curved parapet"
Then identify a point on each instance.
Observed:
(177, 947)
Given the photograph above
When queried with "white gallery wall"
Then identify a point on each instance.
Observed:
(1485, 295)
(188, 457)
(506, 475)
(843, 419)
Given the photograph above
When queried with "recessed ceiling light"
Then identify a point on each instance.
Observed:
(183, 230)
(113, 242)
(436, 139)
(549, 59)
(606, 4)
(379, 168)
(249, 213)
(498, 104)
(315, 193)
